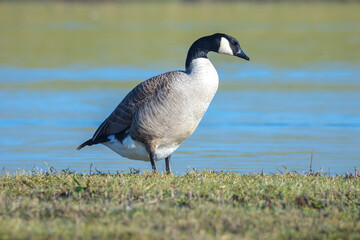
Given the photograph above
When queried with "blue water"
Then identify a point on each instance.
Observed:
(262, 118)
(330, 72)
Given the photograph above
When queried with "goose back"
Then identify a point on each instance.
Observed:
(122, 117)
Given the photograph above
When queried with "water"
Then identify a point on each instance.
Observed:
(65, 68)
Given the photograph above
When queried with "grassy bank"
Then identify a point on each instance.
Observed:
(198, 205)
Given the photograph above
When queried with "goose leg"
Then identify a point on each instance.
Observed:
(167, 163)
(152, 160)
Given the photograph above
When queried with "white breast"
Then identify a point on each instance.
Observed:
(203, 68)
(205, 81)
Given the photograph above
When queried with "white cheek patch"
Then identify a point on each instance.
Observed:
(225, 47)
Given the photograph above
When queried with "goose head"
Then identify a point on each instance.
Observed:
(218, 42)
(229, 45)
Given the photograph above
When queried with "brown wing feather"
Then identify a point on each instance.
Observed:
(121, 118)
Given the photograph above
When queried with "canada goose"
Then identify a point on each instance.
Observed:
(156, 116)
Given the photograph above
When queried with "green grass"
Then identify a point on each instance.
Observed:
(198, 205)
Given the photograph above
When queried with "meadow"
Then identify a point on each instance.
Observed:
(196, 205)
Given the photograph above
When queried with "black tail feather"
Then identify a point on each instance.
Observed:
(92, 142)
(87, 143)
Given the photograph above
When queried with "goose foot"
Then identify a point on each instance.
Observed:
(152, 160)
(167, 164)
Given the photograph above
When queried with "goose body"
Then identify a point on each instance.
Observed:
(176, 117)
(156, 116)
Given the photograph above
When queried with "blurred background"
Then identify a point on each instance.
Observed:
(64, 67)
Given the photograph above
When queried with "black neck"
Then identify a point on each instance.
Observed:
(200, 49)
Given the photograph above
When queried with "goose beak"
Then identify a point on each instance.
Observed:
(241, 54)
